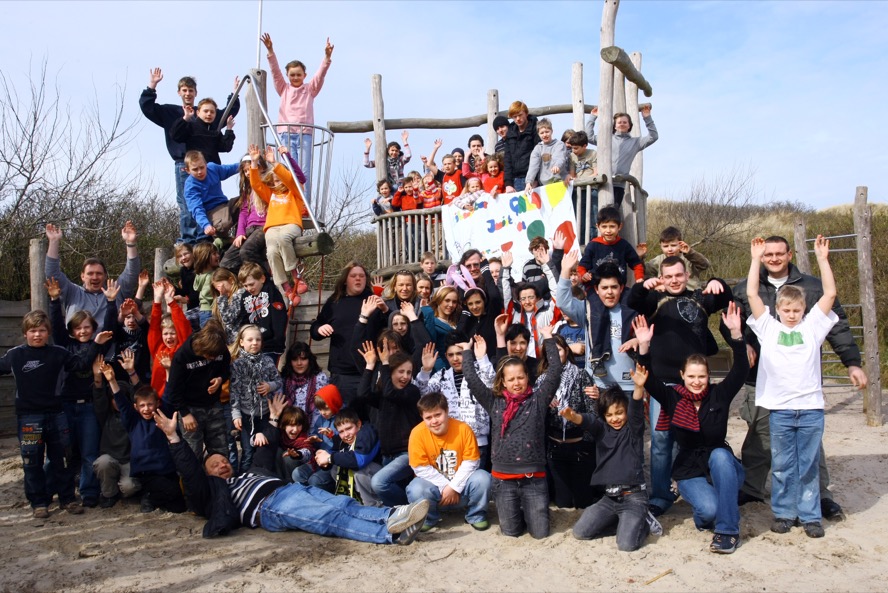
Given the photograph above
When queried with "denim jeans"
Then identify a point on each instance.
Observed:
(188, 231)
(46, 434)
(300, 149)
(795, 455)
(474, 497)
(316, 511)
(203, 317)
(320, 478)
(386, 483)
(662, 455)
(715, 504)
(522, 504)
(519, 184)
(628, 512)
(210, 431)
(85, 437)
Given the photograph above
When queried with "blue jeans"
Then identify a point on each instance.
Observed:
(320, 478)
(300, 149)
(475, 497)
(313, 510)
(662, 455)
(628, 512)
(715, 504)
(519, 184)
(46, 435)
(85, 437)
(188, 231)
(522, 504)
(795, 456)
(385, 482)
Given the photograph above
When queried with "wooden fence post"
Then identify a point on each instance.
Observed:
(605, 105)
(803, 263)
(576, 96)
(619, 92)
(37, 261)
(637, 168)
(492, 111)
(255, 133)
(863, 228)
(378, 126)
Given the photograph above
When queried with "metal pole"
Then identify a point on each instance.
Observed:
(259, 39)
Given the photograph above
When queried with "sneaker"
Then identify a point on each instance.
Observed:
(743, 498)
(653, 524)
(41, 513)
(106, 502)
(407, 515)
(814, 529)
(830, 509)
(723, 543)
(598, 368)
(481, 525)
(91, 503)
(147, 506)
(782, 525)
(301, 286)
(429, 527)
(73, 508)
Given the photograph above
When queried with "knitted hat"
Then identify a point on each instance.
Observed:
(500, 120)
(458, 150)
(330, 395)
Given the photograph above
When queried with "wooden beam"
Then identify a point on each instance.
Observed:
(633, 181)
(617, 57)
(314, 244)
(378, 125)
(37, 263)
(863, 228)
(255, 120)
(638, 213)
(799, 236)
(576, 93)
(492, 111)
(606, 103)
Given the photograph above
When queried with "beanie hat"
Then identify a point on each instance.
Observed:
(330, 395)
(458, 150)
(500, 120)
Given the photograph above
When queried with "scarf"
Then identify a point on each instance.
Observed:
(685, 414)
(252, 369)
(513, 402)
(298, 386)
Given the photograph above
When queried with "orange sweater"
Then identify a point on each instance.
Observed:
(155, 341)
(286, 208)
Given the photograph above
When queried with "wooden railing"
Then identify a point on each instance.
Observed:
(402, 237)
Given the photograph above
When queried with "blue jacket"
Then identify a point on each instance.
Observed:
(365, 451)
(149, 449)
(205, 196)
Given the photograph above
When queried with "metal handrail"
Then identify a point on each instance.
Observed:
(277, 140)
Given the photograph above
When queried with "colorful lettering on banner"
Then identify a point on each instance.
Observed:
(510, 222)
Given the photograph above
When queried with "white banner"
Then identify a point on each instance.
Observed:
(510, 221)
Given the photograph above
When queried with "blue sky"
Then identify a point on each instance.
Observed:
(779, 87)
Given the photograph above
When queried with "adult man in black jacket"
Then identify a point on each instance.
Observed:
(520, 140)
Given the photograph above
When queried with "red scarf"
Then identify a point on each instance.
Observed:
(685, 414)
(513, 402)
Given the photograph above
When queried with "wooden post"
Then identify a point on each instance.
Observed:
(378, 125)
(619, 92)
(801, 246)
(492, 111)
(161, 255)
(605, 105)
(576, 95)
(616, 56)
(255, 133)
(37, 261)
(637, 167)
(863, 228)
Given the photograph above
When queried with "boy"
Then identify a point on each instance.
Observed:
(258, 301)
(203, 194)
(789, 386)
(549, 159)
(200, 133)
(473, 165)
(328, 403)
(449, 177)
(444, 456)
(429, 265)
(672, 244)
(500, 126)
(382, 204)
(354, 454)
(42, 423)
(609, 246)
(583, 160)
(150, 458)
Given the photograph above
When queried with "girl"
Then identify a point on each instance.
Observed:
(302, 377)
(625, 146)
(441, 318)
(297, 103)
(185, 289)
(518, 448)
(283, 222)
(249, 240)
(394, 162)
(253, 379)
(297, 448)
(224, 284)
(206, 260)
(431, 192)
(492, 181)
(570, 458)
(165, 333)
(424, 286)
(472, 192)
(382, 204)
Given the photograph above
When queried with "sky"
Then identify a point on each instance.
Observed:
(779, 88)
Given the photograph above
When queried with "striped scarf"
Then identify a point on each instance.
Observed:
(685, 414)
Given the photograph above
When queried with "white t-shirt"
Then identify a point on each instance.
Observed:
(789, 362)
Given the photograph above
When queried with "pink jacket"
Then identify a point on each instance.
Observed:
(297, 104)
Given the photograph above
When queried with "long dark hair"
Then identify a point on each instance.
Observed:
(297, 350)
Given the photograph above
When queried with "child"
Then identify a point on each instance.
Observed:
(583, 160)
(394, 162)
(407, 196)
(259, 302)
(618, 430)
(187, 297)
(424, 289)
(200, 133)
(206, 260)
(249, 240)
(254, 378)
(297, 448)
(671, 244)
(382, 204)
(549, 159)
(609, 246)
(225, 284)
(474, 166)
(789, 385)
(283, 222)
(431, 193)
(327, 403)
(42, 424)
(355, 450)
(429, 264)
(449, 176)
(303, 378)
(166, 332)
(150, 460)
(472, 192)
(492, 180)
(203, 194)
(501, 127)
(518, 448)
(297, 103)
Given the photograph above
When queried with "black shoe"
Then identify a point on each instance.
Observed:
(743, 497)
(108, 502)
(655, 510)
(724, 544)
(782, 525)
(147, 505)
(814, 529)
(830, 509)
(91, 503)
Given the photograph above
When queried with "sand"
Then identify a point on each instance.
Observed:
(121, 549)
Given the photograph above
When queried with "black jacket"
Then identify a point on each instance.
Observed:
(196, 134)
(519, 145)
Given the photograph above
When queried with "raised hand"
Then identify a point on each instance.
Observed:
(368, 143)
(229, 123)
(404, 136)
(108, 372)
(236, 82)
(821, 247)
(169, 291)
(639, 375)
(53, 233)
(155, 75)
(368, 351)
(558, 240)
(653, 283)
(129, 233)
(569, 261)
(641, 249)
(479, 347)
(732, 320)
(97, 365)
(328, 49)
(507, 259)
(127, 360)
(409, 311)
(188, 112)
(757, 248)
(112, 290)
(165, 360)
(253, 151)
(438, 143)
(501, 324)
(546, 331)
(265, 38)
(714, 287)
(168, 425)
(429, 356)
(368, 306)
(128, 307)
(103, 337)
(144, 279)
(646, 110)
(277, 404)
(52, 288)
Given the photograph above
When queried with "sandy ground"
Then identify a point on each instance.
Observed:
(123, 550)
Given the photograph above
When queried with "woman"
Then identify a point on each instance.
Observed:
(441, 319)
(401, 289)
(708, 475)
(480, 320)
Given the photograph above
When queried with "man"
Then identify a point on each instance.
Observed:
(445, 458)
(259, 498)
(756, 452)
(93, 275)
(165, 116)
(520, 141)
(681, 317)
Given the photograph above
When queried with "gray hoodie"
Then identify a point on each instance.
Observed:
(543, 158)
(625, 146)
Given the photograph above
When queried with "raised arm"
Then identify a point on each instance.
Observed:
(756, 305)
(821, 251)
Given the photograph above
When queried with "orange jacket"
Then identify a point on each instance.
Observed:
(155, 341)
(286, 208)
